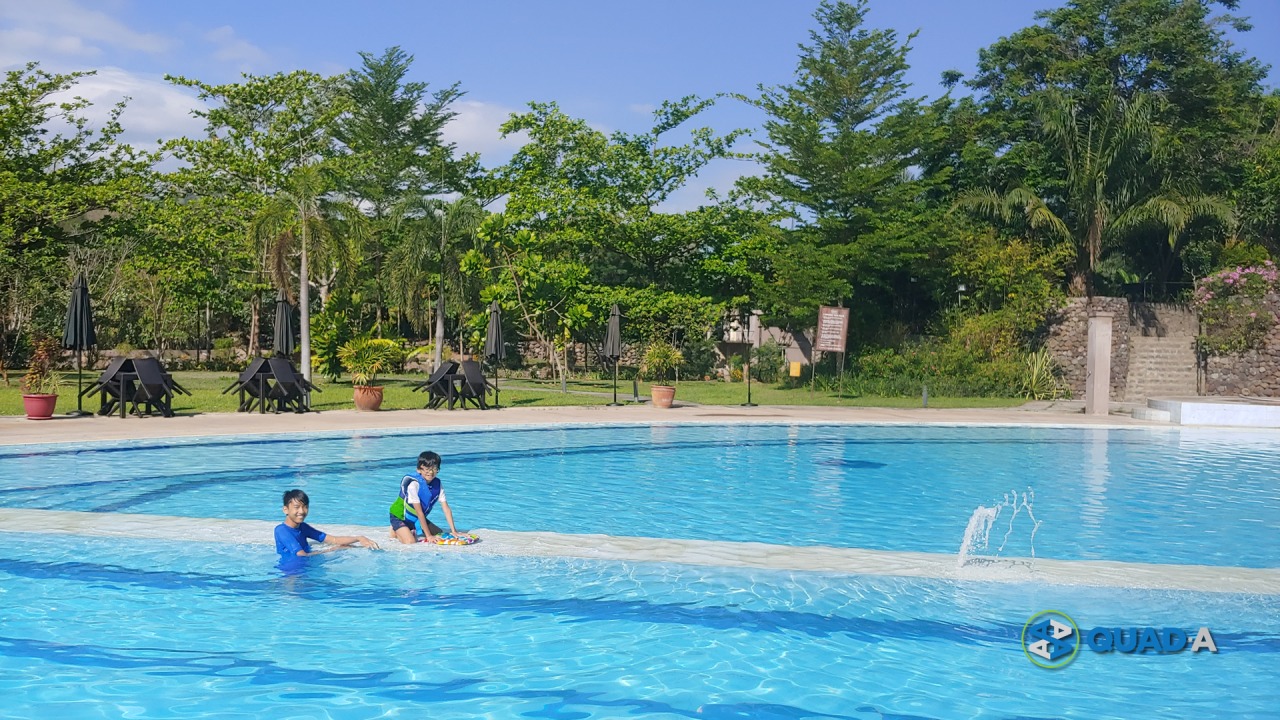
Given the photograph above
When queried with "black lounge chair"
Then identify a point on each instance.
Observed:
(152, 390)
(254, 386)
(290, 389)
(474, 385)
(108, 384)
(437, 384)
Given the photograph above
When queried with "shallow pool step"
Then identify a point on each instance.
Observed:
(1152, 414)
(1197, 578)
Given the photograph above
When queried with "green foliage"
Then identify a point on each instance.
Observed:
(660, 361)
(1237, 308)
(1208, 101)
(700, 357)
(364, 357)
(843, 144)
(330, 330)
(768, 361)
(41, 377)
(949, 369)
(1041, 379)
(1013, 281)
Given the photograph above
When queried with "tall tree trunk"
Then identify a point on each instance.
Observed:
(437, 355)
(255, 305)
(304, 300)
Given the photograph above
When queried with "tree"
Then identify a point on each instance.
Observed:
(391, 136)
(435, 236)
(1109, 189)
(584, 210)
(1204, 100)
(62, 182)
(265, 137)
(841, 159)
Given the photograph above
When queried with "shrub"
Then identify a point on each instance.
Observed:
(767, 361)
(365, 357)
(700, 358)
(41, 377)
(1232, 305)
(661, 359)
(1041, 381)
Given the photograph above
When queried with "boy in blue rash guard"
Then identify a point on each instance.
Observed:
(418, 494)
(293, 533)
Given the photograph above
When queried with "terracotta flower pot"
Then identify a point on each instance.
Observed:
(39, 407)
(662, 395)
(368, 397)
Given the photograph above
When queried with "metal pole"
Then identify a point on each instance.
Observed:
(615, 402)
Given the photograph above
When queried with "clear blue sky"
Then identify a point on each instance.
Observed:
(608, 61)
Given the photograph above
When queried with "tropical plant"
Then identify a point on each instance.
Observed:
(1040, 380)
(1109, 156)
(41, 377)
(661, 359)
(364, 357)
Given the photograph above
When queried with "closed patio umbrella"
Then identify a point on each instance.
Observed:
(494, 349)
(78, 333)
(613, 346)
(282, 338)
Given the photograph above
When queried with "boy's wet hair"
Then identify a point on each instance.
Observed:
(295, 494)
(429, 459)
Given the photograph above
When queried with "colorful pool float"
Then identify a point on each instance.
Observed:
(451, 539)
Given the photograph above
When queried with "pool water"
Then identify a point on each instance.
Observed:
(98, 627)
(156, 629)
(1142, 495)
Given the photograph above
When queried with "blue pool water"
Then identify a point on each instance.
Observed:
(120, 628)
(1157, 496)
(111, 628)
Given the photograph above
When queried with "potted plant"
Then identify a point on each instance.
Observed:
(364, 358)
(659, 364)
(40, 384)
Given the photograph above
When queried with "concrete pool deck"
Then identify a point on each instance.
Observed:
(16, 430)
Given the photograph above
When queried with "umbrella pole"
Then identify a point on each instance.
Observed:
(615, 402)
(496, 405)
(79, 384)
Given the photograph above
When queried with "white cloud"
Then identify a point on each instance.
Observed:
(475, 129)
(156, 109)
(66, 29)
(642, 108)
(719, 175)
(231, 48)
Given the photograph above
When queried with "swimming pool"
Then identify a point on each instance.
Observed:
(120, 627)
(144, 628)
(1136, 495)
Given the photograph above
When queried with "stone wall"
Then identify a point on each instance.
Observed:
(1253, 372)
(1068, 341)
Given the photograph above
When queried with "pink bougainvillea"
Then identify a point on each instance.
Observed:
(1231, 306)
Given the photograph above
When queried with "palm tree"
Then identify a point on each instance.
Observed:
(1111, 157)
(299, 220)
(435, 235)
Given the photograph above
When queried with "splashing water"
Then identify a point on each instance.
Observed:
(977, 534)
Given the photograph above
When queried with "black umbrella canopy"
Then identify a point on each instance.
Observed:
(78, 332)
(613, 335)
(282, 339)
(493, 345)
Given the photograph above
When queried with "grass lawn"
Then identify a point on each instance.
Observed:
(722, 393)
(207, 395)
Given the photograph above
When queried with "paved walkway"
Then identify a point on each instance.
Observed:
(19, 430)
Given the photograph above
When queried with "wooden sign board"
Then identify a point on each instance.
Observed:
(833, 329)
